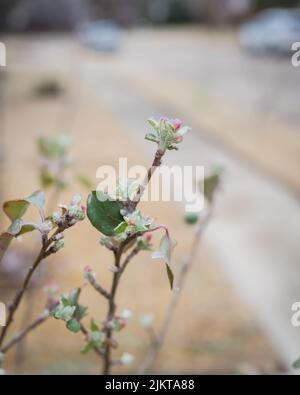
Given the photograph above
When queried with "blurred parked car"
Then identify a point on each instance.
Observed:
(100, 35)
(271, 31)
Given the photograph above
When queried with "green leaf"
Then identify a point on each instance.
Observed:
(80, 312)
(94, 326)
(104, 215)
(151, 137)
(15, 209)
(296, 364)
(26, 228)
(64, 313)
(65, 300)
(19, 227)
(170, 275)
(154, 124)
(166, 247)
(121, 227)
(88, 347)
(73, 326)
(74, 296)
(211, 183)
(53, 148)
(37, 199)
(191, 218)
(46, 178)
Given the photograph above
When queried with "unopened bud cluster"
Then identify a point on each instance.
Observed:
(167, 133)
(70, 214)
(60, 221)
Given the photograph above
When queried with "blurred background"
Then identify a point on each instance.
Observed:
(95, 71)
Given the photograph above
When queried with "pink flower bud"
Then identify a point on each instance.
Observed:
(52, 287)
(179, 139)
(176, 123)
(88, 269)
(148, 237)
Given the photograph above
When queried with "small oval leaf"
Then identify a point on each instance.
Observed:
(73, 325)
(170, 275)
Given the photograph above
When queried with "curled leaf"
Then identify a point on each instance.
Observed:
(165, 250)
(170, 275)
(166, 247)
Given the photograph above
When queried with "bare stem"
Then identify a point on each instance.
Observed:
(44, 252)
(20, 336)
(155, 164)
(132, 254)
(108, 362)
(158, 339)
(99, 288)
(111, 312)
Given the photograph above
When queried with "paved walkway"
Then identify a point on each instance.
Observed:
(255, 232)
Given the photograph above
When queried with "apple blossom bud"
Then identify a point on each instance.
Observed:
(59, 236)
(176, 123)
(55, 217)
(113, 269)
(147, 237)
(88, 269)
(88, 273)
(72, 210)
(46, 226)
(76, 213)
(126, 314)
(51, 288)
(126, 358)
(58, 245)
(76, 199)
(179, 139)
(146, 320)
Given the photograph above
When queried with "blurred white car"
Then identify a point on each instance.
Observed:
(100, 35)
(272, 31)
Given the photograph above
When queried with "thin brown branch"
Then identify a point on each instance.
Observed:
(44, 252)
(155, 164)
(118, 254)
(129, 257)
(18, 337)
(99, 288)
(157, 340)
(112, 305)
